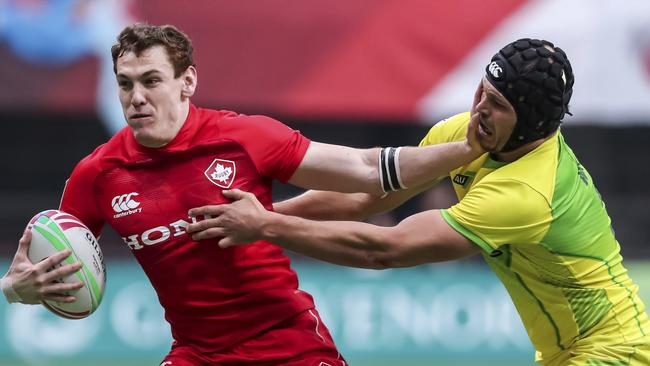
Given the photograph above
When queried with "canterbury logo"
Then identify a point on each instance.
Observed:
(495, 69)
(125, 204)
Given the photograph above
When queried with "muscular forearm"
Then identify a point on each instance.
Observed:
(420, 165)
(345, 243)
(420, 238)
(324, 205)
(343, 169)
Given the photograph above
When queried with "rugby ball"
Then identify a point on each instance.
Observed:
(54, 231)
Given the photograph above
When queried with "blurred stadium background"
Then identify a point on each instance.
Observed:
(356, 72)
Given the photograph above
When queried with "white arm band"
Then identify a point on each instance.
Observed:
(8, 290)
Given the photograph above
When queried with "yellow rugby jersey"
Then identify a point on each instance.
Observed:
(546, 234)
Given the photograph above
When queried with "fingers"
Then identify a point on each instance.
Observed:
(472, 129)
(53, 289)
(473, 121)
(216, 210)
(61, 272)
(60, 298)
(473, 138)
(477, 96)
(58, 288)
(202, 225)
(53, 260)
(212, 210)
(235, 194)
(226, 243)
(209, 233)
(59, 291)
(23, 243)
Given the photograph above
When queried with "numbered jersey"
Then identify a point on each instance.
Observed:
(545, 232)
(212, 297)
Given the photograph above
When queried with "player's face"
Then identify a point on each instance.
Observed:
(497, 117)
(154, 103)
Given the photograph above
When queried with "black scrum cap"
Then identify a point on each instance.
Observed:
(537, 79)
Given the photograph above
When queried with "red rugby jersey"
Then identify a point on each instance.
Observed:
(213, 297)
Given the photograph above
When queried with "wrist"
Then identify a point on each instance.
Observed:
(472, 150)
(269, 226)
(7, 289)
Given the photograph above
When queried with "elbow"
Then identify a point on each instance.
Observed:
(385, 260)
(378, 262)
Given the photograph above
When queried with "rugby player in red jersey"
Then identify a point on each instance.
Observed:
(239, 305)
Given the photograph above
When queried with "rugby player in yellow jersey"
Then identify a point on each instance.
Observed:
(527, 205)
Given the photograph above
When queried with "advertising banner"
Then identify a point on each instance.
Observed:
(458, 312)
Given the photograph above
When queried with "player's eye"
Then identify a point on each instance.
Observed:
(125, 85)
(499, 104)
(151, 82)
(496, 102)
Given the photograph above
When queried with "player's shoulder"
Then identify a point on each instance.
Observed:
(244, 127)
(241, 120)
(260, 136)
(501, 201)
(209, 115)
(513, 189)
(530, 177)
(460, 118)
(229, 121)
(449, 129)
(113, 151)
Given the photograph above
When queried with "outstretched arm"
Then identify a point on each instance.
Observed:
(326, 205)
(421, 238)
(344, 169)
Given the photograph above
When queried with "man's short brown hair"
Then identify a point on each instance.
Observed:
(139, 37)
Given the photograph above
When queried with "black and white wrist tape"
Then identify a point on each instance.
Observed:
(389, 174)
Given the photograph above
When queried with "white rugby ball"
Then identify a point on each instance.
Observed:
(54, 231)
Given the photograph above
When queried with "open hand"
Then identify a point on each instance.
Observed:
(239, 222)
(34, 283)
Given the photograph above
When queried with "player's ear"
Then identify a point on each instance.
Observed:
(189, 79)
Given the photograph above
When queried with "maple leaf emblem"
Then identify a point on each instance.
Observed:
(221, 173)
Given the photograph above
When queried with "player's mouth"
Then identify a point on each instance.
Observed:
(140, 117)
(483, 129)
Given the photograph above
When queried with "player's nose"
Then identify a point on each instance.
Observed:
(138, 96)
